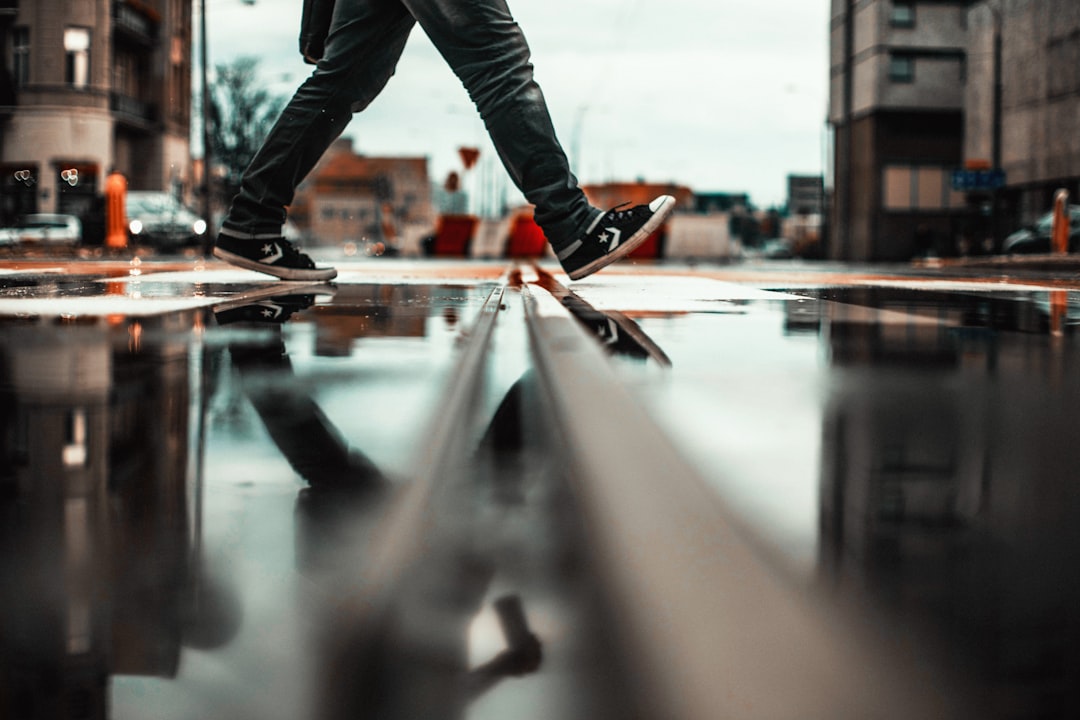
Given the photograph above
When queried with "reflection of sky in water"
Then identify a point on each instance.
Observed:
(757, 442)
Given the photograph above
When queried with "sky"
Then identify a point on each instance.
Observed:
(718, 95)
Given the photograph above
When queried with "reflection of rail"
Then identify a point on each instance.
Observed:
(707, 627)
(710, 630)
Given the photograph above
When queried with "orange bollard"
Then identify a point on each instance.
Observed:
(1059, 229)
(1059, 309)
(116, 235)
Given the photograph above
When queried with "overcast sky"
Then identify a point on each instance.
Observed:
(719, 95)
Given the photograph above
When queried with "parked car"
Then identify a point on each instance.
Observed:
(1036, 238)
(160, 221)
(44, 229)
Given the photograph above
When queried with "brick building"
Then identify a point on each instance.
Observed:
(87, 87)
(351, 198)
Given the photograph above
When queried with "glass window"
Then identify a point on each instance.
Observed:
(77, 57)
(898, 187)
(930, 186)
(20, 49)
(903, 14)
(901, 68)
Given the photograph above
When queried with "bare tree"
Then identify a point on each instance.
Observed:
(242, 111)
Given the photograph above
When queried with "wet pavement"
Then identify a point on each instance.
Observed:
(227, 496)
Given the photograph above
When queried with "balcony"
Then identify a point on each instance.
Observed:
(134, 22)
(132, 111)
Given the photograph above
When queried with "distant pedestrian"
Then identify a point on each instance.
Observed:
(488, 52)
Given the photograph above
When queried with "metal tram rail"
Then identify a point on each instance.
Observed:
(703, 626)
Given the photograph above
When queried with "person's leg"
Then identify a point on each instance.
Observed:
(365, 42)
(487, 50)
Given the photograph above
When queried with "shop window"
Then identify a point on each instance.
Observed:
(898, 181)
(907, 188)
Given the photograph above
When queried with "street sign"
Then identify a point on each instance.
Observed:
(977, 180)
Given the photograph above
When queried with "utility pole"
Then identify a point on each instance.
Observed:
(204, 94)
(995, 138)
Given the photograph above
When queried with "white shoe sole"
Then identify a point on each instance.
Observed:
(285, 273)
(660, 214)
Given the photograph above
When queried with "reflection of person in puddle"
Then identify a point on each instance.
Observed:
(346, 492)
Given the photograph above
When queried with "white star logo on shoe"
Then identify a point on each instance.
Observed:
(270, 311)
(615, 236)
(272, 252)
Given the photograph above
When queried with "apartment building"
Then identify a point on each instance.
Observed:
(87, 87)
(1023, 101)
(897, 72)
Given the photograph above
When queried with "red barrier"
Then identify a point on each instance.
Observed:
(526, 240)
(453, 235)
(653, 247)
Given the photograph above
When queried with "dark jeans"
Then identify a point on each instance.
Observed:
(486, 50)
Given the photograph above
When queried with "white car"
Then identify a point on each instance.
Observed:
(46, 228)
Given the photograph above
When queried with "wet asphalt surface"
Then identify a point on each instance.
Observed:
(196, 466)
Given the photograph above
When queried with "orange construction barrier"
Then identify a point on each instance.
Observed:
(116, 235)
(1059, 229)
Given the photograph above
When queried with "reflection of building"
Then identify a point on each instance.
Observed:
(55, 461)
(1037, 126)
(948, 495)
(361, 311)
(88, 86)
(95, 554)
(350, 197)
(896, 107)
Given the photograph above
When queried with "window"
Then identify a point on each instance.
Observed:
(897, 187)
(903, 14)
(20, 50)
(908, 188)
(77, 57)
(902, 68)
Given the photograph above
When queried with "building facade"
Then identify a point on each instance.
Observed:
(352, 198)
(1023, 101)
(897, 73)
(86, 87)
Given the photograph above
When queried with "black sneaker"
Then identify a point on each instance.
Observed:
(273, 310)
(271, 255)
(612, 236)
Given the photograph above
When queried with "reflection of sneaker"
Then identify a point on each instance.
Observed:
(274, 310)
(612, 236)
(271, 255)
(618, 334)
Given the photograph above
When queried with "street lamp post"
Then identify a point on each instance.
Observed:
(995, 131)
(205, 97)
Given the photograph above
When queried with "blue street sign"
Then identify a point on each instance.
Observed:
(977, 180)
